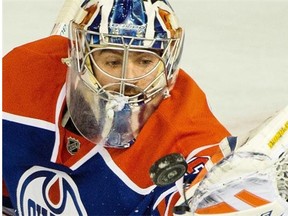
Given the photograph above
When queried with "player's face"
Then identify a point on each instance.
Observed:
(134, 67)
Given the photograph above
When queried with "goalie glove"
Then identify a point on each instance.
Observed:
(252, 179)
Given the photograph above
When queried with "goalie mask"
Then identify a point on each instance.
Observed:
(125, 56)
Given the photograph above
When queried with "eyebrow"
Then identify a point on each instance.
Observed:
(120, 52)
(117, 52)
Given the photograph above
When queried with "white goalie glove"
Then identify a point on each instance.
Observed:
(252, 179)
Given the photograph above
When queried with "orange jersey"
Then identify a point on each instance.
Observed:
(33, 100)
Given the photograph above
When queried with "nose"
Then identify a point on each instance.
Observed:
(133, 84)
(131, 72)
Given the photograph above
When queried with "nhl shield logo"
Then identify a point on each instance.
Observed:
(73, 145)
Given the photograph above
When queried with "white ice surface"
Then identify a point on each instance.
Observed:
(237, 50)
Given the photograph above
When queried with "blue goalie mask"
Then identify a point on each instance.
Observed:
(125, 56)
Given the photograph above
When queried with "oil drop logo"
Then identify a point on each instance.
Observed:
(43, 191)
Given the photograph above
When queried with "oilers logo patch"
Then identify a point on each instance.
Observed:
(43, 191)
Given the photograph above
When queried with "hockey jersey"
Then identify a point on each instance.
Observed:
(49, 170)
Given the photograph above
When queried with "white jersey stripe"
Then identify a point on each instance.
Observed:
(59, 104)
(28, 121)
(111, 164)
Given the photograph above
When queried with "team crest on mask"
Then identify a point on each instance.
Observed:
(43, 191)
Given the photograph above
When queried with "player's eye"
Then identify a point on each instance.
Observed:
(146, 61)
(113, 63)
